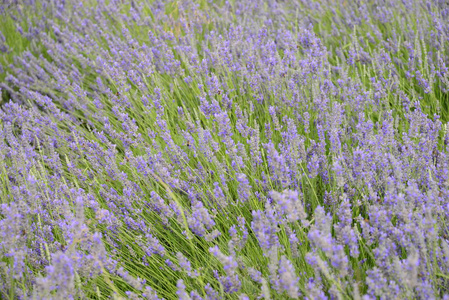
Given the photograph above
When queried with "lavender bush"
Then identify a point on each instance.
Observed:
(224, 149)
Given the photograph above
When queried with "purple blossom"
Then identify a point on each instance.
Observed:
(128, 159)
(244, 188)
(231, 281)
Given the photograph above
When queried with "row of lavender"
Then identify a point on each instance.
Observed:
(225, 150)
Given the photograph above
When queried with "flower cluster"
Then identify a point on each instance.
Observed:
(224, 149)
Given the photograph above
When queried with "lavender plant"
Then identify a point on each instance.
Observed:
(224, 149)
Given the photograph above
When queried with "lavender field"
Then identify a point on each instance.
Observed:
(212, 149)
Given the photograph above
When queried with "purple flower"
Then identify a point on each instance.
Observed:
(244, 188)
